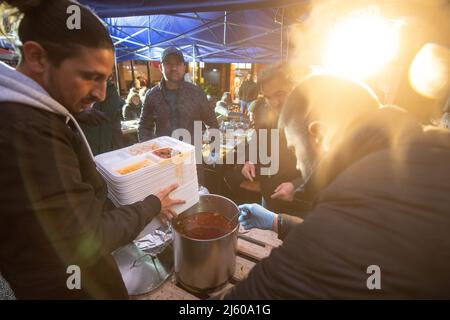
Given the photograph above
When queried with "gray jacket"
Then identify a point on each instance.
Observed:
(191, 105)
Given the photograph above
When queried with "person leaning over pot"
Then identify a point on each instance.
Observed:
(380, 205)
(55, 215)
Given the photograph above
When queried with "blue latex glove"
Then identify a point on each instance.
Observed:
(256, 216)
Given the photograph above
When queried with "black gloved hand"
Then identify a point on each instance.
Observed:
(91, 117)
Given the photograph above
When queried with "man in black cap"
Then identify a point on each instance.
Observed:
(174, 103)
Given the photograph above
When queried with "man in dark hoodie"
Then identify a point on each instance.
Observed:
(56, 220)
(379, 226)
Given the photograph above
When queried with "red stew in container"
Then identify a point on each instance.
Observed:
(204, 226)
(166, 153)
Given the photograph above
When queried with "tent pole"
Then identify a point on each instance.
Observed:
(193, 64)
(133, 76)
(225, 29)
(148, 75)
(281, 38)
(288, 40)
(116, 67)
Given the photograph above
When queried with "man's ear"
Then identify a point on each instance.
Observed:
(317, 131)
(35, 57)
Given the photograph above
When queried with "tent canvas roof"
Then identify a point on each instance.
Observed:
(120, 8)
(197, 27)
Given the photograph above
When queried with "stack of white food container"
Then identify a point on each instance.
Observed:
(135, 172)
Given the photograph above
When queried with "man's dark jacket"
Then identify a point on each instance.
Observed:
(381, 199)
(248, 91)
(266, 119)
(55, 212)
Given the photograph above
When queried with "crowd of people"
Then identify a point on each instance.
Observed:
(360, 183)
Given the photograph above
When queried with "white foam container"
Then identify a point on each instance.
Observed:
(160, 173)
(110, 162)
(172, 175)
(184, 192)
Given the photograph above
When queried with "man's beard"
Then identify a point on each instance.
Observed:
(309, 162)
(53, 88)
(175, 78)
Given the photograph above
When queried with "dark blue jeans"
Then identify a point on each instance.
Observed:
(244, 105)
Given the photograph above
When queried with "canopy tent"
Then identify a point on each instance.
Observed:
(241, 36)
(120, 8)
(5, 44)
(255, 35)
(7, 52)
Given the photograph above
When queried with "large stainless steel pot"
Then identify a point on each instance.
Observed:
(206, 265)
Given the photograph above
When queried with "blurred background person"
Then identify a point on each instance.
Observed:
(223, 106)
(102, 123)
(133, 107)
(277, 188)
(248, 91)
(212, 100)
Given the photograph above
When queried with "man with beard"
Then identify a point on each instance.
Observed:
(379, 223)
(174, 103)
(55, 216)
(277, 188)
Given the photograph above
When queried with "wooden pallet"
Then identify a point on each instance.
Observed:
(253, 246)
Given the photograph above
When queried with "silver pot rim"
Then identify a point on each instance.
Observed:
(214, 239)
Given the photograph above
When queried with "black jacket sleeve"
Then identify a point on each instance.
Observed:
(305, 266)
(146, 129)
(288, 222)
(117, 137)
(207, 113)
(56, 188)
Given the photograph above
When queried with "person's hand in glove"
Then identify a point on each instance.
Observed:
(91, 117)
(256, 216)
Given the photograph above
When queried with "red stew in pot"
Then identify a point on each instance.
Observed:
(204, 226)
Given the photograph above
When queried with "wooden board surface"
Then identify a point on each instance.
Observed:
(267, 237)
(253, 246)
(243, 267)
(252, 250)
(167, 291)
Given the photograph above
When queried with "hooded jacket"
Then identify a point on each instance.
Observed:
(55, 213)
